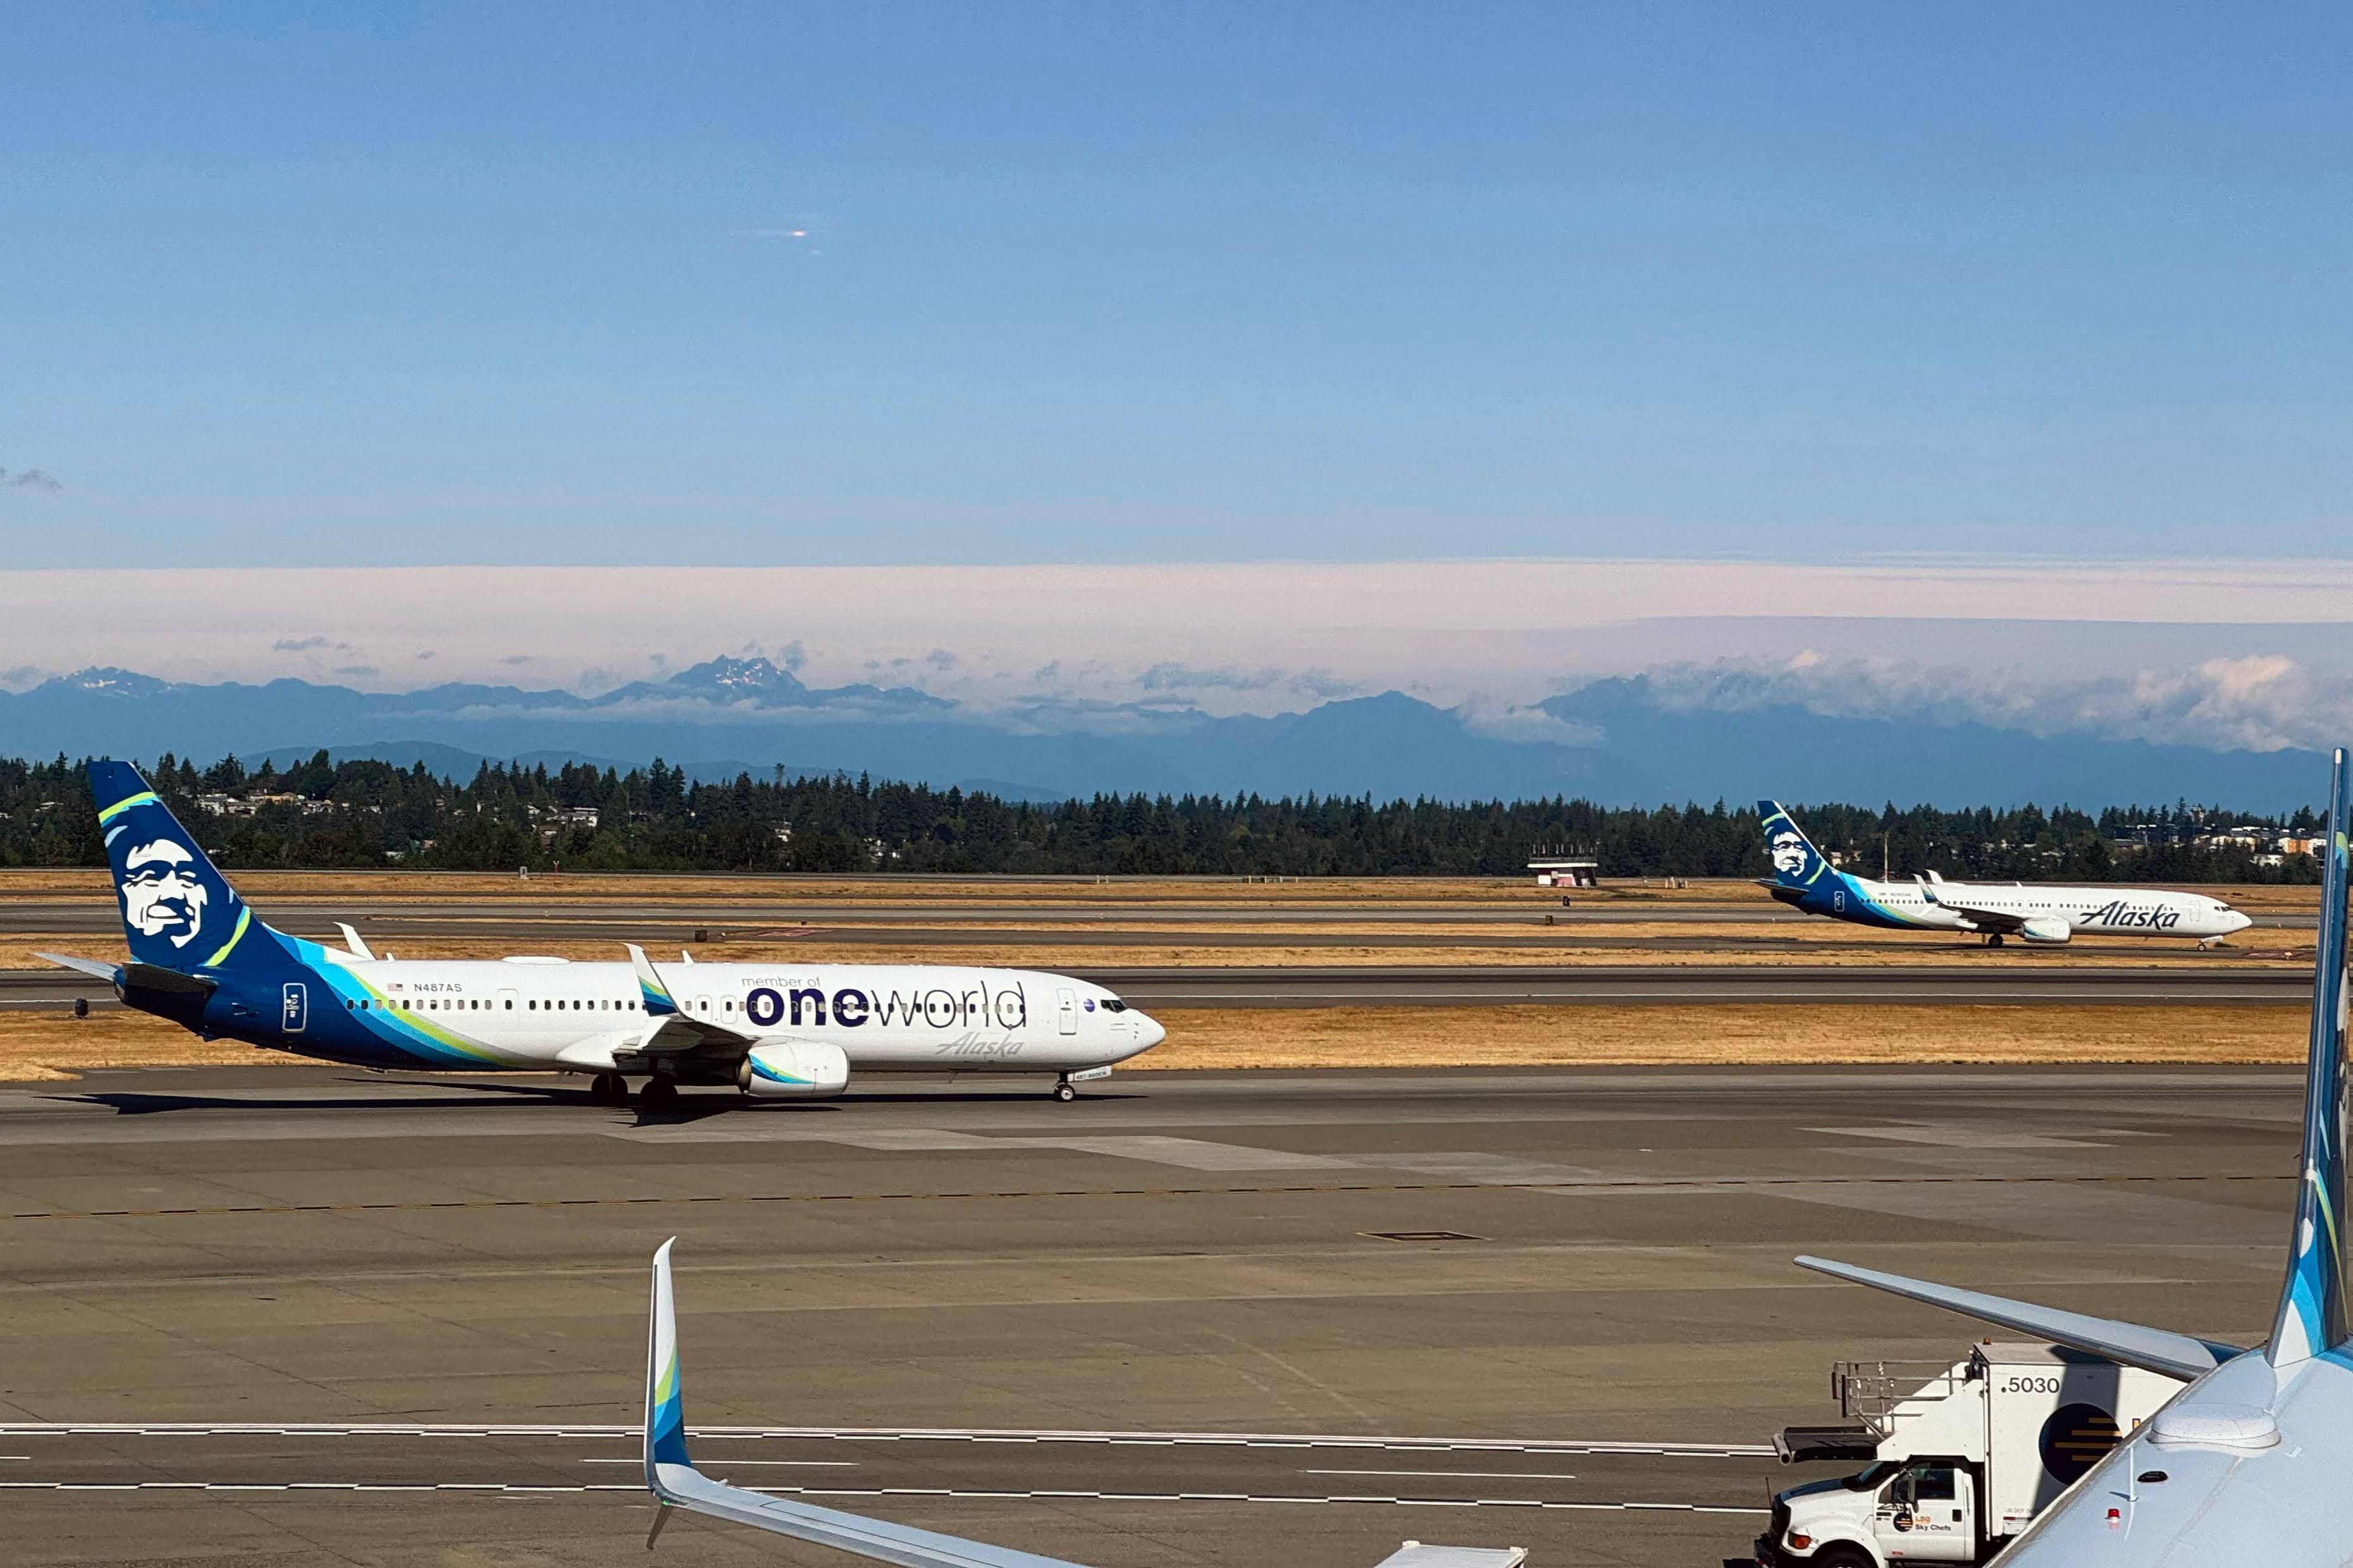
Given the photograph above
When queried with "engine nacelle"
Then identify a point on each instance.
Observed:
(793, 1070)
(2046, 928)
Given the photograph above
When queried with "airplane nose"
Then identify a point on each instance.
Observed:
(2241, 920)
(1149, 1031)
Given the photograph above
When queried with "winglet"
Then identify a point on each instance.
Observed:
(665, 1407)
(2128, 1344)
(660, 1002)
(2313, 1311)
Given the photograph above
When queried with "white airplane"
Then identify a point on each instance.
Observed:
(671, 1476)
(793, 1029)
(2247, 1466)
(1803, 880)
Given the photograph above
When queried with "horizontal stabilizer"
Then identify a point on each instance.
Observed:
(354, 944)
(90, 966)
(2127, 1344)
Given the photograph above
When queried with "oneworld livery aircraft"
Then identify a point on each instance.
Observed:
(1804, 879)
(788, 1030)
(2248, 1463)
(671, 1476)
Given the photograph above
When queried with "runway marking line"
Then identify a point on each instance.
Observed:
(1695, 1184)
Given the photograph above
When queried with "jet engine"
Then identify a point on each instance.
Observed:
(2046, 928)
(793, 1070)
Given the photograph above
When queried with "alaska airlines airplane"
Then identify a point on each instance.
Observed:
(788, 1030)
(1803, 880)
(671, 1476)
(2248, 1463)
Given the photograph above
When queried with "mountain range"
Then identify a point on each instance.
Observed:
(1618, 741)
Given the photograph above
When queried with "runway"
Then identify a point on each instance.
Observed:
(302, 1315)
(1997, 978)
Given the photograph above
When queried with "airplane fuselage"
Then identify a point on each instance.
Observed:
(548, 1013)
(2095, 911)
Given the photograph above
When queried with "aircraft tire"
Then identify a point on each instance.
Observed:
(658, 1094)
(1066, 1091)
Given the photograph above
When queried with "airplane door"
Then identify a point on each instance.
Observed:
(1068, 1001)
(295, 1008)
(1927, 1514)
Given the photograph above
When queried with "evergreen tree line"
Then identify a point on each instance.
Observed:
(366, 814)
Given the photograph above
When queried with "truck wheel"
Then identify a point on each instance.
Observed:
(1843, 1557)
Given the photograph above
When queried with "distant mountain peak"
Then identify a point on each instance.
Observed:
(734, 677)
(112, 681)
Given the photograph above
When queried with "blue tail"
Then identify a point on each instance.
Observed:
(1797, 863)
(2312, 1311)
(178, 911)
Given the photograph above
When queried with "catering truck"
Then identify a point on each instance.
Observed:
(1959, 1460)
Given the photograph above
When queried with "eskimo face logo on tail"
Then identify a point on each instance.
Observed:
(161, 894)
(1789, 850)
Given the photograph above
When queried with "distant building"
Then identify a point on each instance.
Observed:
(1566, 870)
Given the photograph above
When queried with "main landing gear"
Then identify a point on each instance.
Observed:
(609, 1088)
(659, 1094)
(1993, 939)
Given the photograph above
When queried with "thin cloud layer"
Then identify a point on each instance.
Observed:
(2266, 702)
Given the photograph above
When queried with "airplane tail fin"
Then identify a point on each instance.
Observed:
(179, 913)
(1796, 862)
(2312, 1310)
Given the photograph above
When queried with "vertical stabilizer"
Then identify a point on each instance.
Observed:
(178, 911)
(2312, 1311)
(1796, 862)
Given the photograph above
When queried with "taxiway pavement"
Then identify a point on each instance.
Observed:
(297, 1316)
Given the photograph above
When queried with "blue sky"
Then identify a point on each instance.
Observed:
(419, 284)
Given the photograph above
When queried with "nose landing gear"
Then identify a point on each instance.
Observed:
(1065, 1090)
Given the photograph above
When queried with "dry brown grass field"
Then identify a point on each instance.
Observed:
(50, 1046)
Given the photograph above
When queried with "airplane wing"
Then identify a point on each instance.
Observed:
(671, 1476)
(2002, 921)
(676, 1035)
(2129, 1344)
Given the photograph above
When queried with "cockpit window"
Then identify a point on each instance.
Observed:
(1114, 1005)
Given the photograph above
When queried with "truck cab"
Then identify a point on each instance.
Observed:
(1961, 1457)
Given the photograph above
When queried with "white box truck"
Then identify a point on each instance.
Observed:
(1960, 1460)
